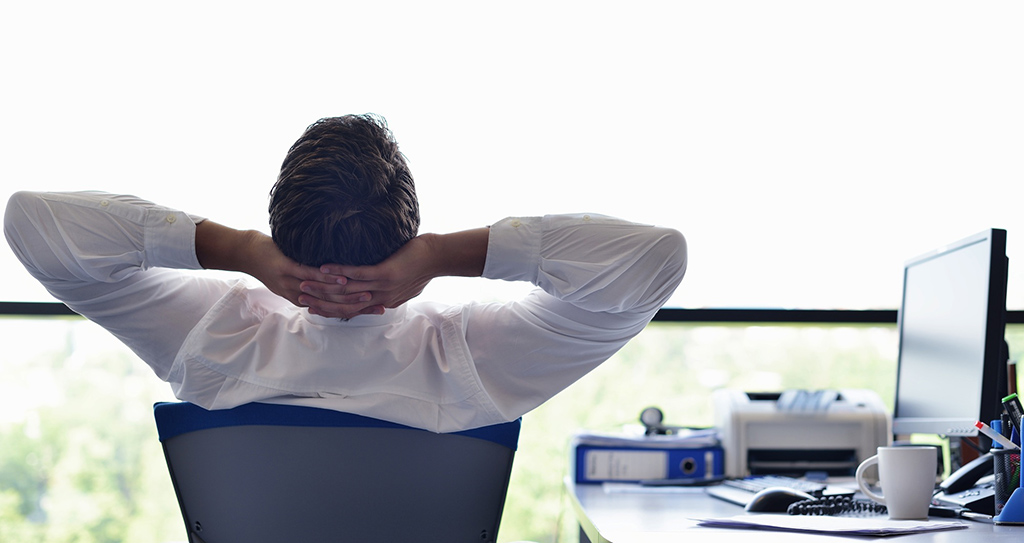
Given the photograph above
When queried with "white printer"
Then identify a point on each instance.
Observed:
(797, 431)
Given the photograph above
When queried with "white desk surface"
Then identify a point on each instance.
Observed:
(664, 516)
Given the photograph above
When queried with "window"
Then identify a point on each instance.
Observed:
(806, 149)
(81, 454)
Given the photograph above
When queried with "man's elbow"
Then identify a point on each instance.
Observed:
(671, 251)
(672, 246)
(15, 217)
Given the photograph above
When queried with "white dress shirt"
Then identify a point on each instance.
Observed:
(126, 264)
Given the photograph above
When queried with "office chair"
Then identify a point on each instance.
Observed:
(262, 472)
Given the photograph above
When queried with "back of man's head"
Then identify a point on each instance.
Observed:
(345, 194)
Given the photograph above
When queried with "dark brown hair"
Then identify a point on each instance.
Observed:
(344, 195)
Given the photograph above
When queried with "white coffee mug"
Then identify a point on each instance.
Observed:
(907, 478)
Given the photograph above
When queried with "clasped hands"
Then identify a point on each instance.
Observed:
(339, 291)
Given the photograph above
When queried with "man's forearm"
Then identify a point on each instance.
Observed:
(219, 247)
(461, 254)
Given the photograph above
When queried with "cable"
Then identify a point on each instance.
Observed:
(837, 506)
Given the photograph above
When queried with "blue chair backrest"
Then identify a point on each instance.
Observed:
(267, 472)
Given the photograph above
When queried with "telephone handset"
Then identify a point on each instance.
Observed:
(971, 487)
(968, 475)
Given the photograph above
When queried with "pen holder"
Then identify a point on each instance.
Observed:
(1006, 466)
(1009, 507)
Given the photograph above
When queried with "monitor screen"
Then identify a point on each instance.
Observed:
(952, 359)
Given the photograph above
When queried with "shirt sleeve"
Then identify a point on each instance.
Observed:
(118, 261)
(594, 262)
(600, 279)
(81, 237)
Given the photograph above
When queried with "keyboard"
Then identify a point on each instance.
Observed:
(741, 491)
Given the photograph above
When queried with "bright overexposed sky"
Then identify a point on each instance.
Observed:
(805, 148)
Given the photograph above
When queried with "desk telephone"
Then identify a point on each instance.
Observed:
(971, 487)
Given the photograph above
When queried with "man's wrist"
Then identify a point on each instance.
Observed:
(462, 253)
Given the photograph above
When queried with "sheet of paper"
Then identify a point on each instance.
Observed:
(871, 526)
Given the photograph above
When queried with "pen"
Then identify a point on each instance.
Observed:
(996, 436)
(1012, 405)
(979, 517)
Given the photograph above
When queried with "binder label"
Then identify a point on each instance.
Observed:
(619, 465)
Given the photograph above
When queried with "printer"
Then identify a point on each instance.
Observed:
(797, 431)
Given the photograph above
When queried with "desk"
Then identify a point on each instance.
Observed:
(659, 516)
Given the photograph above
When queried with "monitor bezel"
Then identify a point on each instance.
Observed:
(994, 364)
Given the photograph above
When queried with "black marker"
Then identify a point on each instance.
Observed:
(1012, 405)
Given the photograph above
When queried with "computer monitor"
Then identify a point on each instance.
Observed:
(952, 354)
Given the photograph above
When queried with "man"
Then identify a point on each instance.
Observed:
(329, 325)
